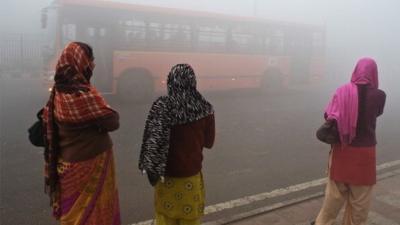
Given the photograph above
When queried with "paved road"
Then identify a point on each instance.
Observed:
(384, 209)
(264, 142)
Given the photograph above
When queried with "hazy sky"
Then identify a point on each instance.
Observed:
(25, 13)
(365, 15)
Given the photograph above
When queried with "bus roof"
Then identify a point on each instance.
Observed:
(177, 12)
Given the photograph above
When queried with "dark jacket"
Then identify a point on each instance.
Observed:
(186, 146)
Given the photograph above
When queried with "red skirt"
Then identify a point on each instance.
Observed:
(353, 165)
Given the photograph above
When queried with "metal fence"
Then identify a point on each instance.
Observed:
(20, 53)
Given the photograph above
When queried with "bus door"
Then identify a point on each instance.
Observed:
(99, 37)
(300, 51)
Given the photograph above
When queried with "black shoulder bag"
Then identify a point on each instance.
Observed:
(328, 132)
(36, 131)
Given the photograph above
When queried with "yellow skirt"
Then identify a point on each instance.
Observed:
(180, 199)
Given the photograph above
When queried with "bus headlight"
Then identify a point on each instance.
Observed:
(50, 77)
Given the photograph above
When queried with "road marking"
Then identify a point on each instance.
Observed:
(272, 194)
(266, 209)
(263, 196)
(388, 165)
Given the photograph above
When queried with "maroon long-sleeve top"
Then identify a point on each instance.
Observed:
(187, 141)
(366, 124)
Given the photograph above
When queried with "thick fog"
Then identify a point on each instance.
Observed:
(354, 28)
(265, 119)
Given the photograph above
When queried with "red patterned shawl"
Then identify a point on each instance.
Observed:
(73, 101)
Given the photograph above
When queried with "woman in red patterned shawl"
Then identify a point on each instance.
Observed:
(79, 164)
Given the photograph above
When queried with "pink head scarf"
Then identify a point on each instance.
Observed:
(344, 105)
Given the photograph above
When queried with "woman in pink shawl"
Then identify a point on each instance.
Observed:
(352, 172)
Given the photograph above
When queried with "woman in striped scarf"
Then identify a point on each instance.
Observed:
(178, 127)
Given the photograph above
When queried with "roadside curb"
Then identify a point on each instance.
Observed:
(265, 209)
(284, 204)
(387, 170)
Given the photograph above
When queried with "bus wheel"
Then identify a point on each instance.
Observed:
(135, 86)
(272, 81)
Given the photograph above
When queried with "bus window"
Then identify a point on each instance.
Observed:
(170, 29)
(91, 32)
(68, 33)
(186, 36)
(277, 44)
(240, 39)
(132, 33)
(267, 44)
(102, 32)
(211, 38)
(50, 33)
(317, 42)
(171, 37)
(153, 34)
(246, 39)
(177, 36)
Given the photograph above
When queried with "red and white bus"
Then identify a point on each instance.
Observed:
(135, 46)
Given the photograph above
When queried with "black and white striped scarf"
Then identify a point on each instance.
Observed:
(182, 105)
